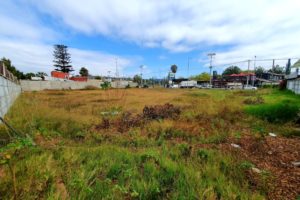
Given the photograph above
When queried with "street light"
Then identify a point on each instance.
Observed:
(142, 67)
(211, 55)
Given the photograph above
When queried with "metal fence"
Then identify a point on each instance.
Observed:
(9, 89)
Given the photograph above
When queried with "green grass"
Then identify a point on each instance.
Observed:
(281, 112)
(112, 172)
(157, 160)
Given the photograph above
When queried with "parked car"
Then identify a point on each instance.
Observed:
(250, 88)
(174, 86)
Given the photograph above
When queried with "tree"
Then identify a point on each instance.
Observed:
(259, 71)
(137, 79)
(12, 69)
(41, 74)
(62, 59)
(201, 77)
(29, 75)
(232, 70)
(84, 71)
(174, 68)
(277, 70)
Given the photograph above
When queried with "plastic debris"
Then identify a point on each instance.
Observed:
(110, 113)
(296, 164)
(235, 145)
(256, 170)
(272, 134)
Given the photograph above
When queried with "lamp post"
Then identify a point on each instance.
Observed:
(211, 55)
(142, 67)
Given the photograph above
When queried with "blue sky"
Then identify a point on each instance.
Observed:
(154, 33)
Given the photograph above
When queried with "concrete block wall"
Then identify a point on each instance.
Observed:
(9, 91)
(27, 85)
(294, 85)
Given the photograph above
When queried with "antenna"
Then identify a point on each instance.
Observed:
(211, 55)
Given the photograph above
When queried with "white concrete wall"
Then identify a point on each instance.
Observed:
(9, 91)
(294, 85)
(123, 84)
(27, 85)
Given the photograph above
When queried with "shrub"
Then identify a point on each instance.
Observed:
(105, 85)
(161, 111)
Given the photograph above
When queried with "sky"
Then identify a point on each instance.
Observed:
(154, 34)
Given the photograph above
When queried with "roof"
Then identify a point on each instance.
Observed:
(242, 74)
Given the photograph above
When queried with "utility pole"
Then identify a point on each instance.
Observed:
(188, 67)
(254, 70)
(117, 74)
(248, 77)
(142, 66)
(210, 66)
(109, 78)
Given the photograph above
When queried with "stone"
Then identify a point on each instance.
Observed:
(235, 145)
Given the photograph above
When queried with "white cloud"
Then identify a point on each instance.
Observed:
(24, 39)
(180, 25)
(265, 28)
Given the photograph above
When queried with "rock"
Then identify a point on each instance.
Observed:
(272, 134)
(256, 170)
(235, 145)
(270, 152)
(296, 164)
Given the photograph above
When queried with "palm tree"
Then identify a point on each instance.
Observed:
(174, 68)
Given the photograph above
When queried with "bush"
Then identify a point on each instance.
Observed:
(161, 111)
(281, 112)
(105, 85)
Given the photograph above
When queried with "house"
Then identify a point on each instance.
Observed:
(293, 81)
(61, 75)
(241, 78)
(79, 78)
(269, 78)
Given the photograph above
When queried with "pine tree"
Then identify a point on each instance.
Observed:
(62, 58)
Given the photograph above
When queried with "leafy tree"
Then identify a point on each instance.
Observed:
(84, 71)
(174, 68)
(12, 69)
(98, 77)
(277, 70)
(259, 71)
(201, 77)
(41, 74)
(29, 75)
(232, 70)
(137, 79)
(62, 58)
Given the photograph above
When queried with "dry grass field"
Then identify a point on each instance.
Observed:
(152, 144)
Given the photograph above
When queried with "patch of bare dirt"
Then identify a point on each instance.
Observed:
(41, 141)
(61, 188)
(128, 119)
(275, 155)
